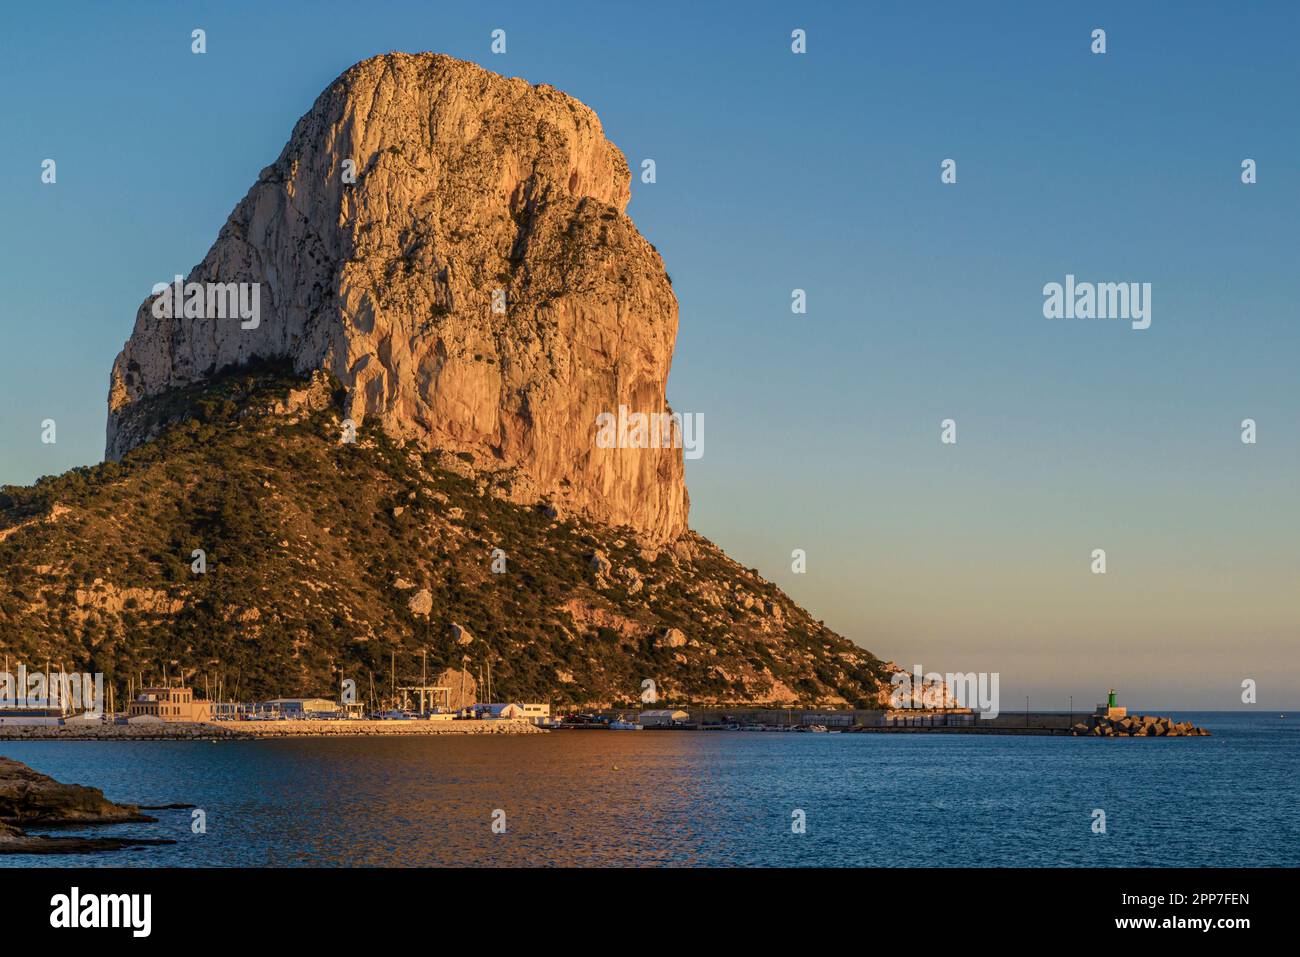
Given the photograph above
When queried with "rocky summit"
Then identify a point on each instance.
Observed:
(393, 457)
(452, 246)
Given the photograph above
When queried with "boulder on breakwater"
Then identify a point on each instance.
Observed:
(1138, 726)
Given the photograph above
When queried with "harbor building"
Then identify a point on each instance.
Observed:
(505, 711)
(936, 719)
(663, 718)
(835, 719)
(302, 707)
(539, 714)
(31, 717)
(167, 704)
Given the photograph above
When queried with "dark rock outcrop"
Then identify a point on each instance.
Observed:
(29, 798)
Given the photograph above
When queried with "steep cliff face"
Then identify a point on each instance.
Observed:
(477, 289)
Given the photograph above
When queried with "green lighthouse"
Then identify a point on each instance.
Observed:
(1110, 703)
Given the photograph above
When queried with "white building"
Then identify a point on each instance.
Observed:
(537, 713)
(31, 717)
(506, 711)
(663, 718)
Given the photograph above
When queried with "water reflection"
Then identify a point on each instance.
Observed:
(680, 798)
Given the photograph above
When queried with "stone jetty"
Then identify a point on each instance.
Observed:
(244, 730)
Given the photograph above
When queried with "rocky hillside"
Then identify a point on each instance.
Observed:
(451, 246)
(326, 557)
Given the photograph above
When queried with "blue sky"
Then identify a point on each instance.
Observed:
(820, 172)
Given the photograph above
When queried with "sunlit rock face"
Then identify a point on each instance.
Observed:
(477, 288)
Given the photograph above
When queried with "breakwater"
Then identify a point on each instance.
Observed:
(916, 721)
(243, 730)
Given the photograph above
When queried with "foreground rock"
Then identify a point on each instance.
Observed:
(14, 841)
(29, 798)
(1138, 726)
(476, 286)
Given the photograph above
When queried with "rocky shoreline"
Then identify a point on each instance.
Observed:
(248, 730)
(31, 799)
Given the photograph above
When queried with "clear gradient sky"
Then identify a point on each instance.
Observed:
(821, 172)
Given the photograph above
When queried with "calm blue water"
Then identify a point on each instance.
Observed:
(706, 798)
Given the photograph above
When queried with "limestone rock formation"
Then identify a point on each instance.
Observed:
(421, 603)
(477, 289)
(671, 638)
(464, 689)
(403, 445)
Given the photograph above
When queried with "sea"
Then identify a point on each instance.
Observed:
(681, 798)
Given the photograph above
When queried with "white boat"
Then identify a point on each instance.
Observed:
(621, 724)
